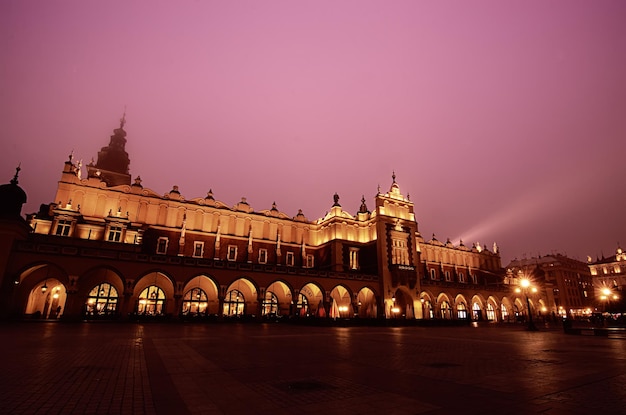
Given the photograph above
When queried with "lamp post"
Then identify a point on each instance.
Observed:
(526, 286)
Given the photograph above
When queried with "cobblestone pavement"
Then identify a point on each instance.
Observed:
(105, 368)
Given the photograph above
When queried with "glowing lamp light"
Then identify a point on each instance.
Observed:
(606, 292)
(395, 310)
(525, 283)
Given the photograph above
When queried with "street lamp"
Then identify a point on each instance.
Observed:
(526, 286)
(607, 296)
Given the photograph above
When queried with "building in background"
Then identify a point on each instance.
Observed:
(609, 278)
(108, 247)
(567, 283)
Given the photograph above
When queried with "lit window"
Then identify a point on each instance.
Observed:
(115, 234)
(63, 227)
(232, 253)
(195, 302)
(461, 311)
(262, 256)
(101, 301)
(399, 252)
(354, 258)
(310, 262)
(151, 301)
(270, 304)
(290, 259)
(491, 312)
(234, 303)
(505, 312)
(162, 245)
(594, 271)
(198, 249)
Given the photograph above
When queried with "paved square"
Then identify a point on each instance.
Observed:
(106, 368)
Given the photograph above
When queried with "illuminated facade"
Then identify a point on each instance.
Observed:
(567, 283)
(110, 248)
(609, 278)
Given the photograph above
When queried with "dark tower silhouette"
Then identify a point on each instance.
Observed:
(113, 161)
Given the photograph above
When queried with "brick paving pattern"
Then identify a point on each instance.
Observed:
(106, 368)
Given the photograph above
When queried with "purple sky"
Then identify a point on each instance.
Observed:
(505, 121)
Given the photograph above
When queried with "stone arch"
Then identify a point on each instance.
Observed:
(367, 303)
(158, 279)
(41, 291)
(200, 296)
(461, 307)
(477, 308)
(507, 311)
(315, 297)
(401, 304)
(284, 298)
(444, 307)
(427, 303)
(492, 309)
(240, 298)
(105, 279)
(341, 302)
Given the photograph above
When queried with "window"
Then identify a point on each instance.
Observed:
(195, 302)
(232, 253)
(477, 313)
(433, 274)
(63, 227)
(447, 275)
(115, 234)
(446, 311)
(491, 312)
(354, 258)
(310, 262)
(151, 301)
(162, 245)
(270, 304)
(474, 278)
(290, 259)
(302, 306)
(101, 301)
(505, 312)
(461, 311)
(399, 252)
(461, 277)
(198, 249)
(234, 303)
(262, 256)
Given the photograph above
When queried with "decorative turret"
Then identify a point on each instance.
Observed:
(12, 197)
(113, 161)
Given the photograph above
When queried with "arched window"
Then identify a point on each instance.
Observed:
(476, 312)
(302, 307)
(195, 302)
(102, 300)
(461, 311)
(151, 301)
(505, 312)
(234, 303)
(491, 312)
(446, 311)
(270, 304)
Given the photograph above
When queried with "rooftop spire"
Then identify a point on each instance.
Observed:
(17, 172)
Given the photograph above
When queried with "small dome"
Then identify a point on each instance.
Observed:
(13, 197)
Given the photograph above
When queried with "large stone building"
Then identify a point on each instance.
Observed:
(108, 247)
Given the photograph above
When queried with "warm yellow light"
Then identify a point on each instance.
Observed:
(395, 310)
(525, 283)
(534, 289)
(517, 290)
(606, 291)
(55, 295)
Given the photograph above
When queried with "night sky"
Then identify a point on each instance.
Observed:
(504, 121)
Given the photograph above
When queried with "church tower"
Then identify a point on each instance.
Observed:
(113, 161)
